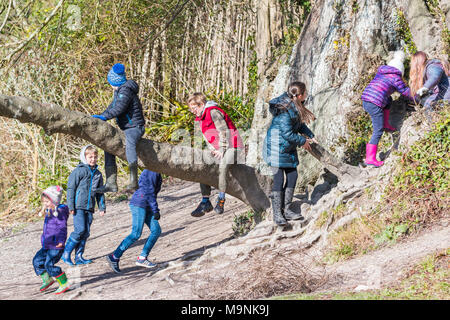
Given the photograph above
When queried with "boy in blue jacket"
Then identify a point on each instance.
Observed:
(126, 108)
(144, 209)
(82, 194)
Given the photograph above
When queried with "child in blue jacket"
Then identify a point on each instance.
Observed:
(126, 108)
(284, 136)
(144, 209)
(82, 195)
(52, 240)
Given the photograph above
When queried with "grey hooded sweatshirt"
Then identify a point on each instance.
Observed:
(82, 185)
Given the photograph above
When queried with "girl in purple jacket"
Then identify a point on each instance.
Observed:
(53, 239)
(376, 101)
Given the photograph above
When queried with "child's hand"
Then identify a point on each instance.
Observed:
(313, 140)
(99, 117)
(307, 146)
(102, 213)
(422, 91)
(59, 245)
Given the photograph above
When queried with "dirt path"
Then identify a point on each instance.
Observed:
(183, 240)
(182, 235)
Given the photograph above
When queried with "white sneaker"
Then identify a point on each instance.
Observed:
(146, 264)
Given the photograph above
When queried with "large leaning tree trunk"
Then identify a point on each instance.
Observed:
(179, 161)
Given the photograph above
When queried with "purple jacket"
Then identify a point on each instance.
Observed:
(387, 80)
(55, 228)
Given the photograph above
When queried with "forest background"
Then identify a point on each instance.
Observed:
(59, 51)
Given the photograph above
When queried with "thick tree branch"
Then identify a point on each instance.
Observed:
(178, 161)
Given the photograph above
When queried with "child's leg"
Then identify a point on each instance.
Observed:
(291, 177)
(291, 181)
(81, 246)
(278, 198)
(228, 159)
(205, 205)
(79, 229)
(110, 160)
(52, 258)
(132, 137)
(155, 232)
(138, 216)
(39, 261)
(205, 190)
(376, 114)
(111, 174)
(278, 180)
(80, 223)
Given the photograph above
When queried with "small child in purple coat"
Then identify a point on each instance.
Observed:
(53, 239)
(376, 101)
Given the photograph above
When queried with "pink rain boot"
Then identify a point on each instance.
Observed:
(386, 125)
(371, 153)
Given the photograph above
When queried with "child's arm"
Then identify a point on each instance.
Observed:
(154, 182)
(63, 215)
(305, 130)
(100, 197)
(403, 88)
(72, 185)
(287, 132)
(434, 75)
(119, 105)
(222, 129)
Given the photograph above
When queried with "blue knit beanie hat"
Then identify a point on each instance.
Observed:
(116, 76)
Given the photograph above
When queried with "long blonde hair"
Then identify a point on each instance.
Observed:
(295, 89)
(418, 63)
(446, 66)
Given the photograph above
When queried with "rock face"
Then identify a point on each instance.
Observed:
(338, 52)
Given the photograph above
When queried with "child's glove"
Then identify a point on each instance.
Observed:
(422, 91)
(156, 216)
(99, 117)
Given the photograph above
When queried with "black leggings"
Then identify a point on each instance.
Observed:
(278, 179)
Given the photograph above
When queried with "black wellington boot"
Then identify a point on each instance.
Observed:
(111, 180)
(289, 214)
(278, 218)
(133, 184)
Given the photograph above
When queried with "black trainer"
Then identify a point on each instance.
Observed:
(113, 263)
(202, 208)
(219, 206)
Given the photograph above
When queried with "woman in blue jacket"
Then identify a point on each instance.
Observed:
(280, 147)
(144, 209)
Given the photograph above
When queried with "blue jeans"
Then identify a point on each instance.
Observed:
(377, 116)
(45, 260)
(82, 221)
(140, 216)
(132, 137)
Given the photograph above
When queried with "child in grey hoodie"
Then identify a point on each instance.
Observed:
(83, 183)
